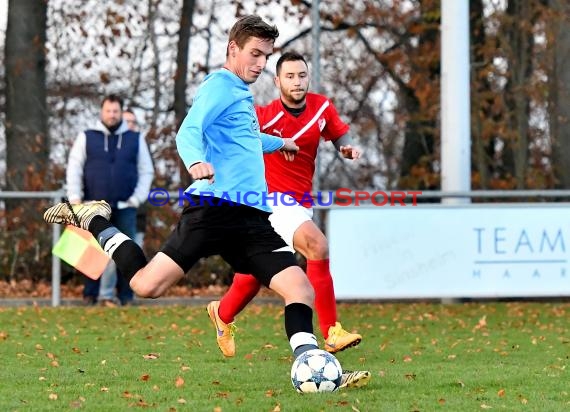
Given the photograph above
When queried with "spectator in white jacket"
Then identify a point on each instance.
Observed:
(110, 162)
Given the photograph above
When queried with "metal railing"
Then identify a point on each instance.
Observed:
(56, 196)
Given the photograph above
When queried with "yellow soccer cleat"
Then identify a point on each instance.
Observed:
(339, 339)
(224, 331)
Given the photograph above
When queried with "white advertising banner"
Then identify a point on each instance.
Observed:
(439, 251)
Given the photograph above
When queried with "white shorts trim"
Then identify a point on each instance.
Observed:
(288, 215)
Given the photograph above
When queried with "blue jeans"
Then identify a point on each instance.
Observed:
(104, 288)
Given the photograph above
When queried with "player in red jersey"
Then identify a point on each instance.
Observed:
(305, 117)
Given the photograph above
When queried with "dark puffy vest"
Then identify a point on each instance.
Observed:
(110, 172)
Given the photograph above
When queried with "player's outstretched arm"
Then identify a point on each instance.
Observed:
(344, 146)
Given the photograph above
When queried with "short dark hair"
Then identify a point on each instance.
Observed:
(113, 98)
(251, 26)
(290, 56)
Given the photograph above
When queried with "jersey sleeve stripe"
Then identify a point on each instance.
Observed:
(273, 121)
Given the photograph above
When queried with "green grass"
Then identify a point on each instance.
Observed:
(423, 357)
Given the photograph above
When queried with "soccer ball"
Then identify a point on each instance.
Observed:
(316, 371)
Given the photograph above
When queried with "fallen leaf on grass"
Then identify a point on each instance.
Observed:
(277, 408)
(441, 401)
(482, 323)
(181, 401)
(485, 406)
(52, 397)
(141, 402)
(145, 377)
(151, 356)
(179, 382)
(501, 393)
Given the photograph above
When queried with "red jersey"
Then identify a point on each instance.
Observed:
(319, 118)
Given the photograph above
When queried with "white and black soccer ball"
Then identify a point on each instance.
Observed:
(316, 370)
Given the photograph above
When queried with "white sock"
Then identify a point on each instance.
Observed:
(114, 242)
(303, 338)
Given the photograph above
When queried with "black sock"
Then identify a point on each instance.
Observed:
(99, 224)
(129, 258)
(298, 318)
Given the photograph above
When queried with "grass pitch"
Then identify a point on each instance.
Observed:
(423, 357)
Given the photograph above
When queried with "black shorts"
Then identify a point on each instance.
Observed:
(241, 235)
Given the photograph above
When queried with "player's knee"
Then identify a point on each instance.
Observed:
(318, 249)
(293, 286)
(144, 289)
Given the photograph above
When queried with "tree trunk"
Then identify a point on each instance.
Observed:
(479, 113)
(26, 109)
(559, 107)
(419, 139)
(180, 80)
(520, 41)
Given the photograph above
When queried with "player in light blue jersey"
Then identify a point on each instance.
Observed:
(221, 129)
(220, 144)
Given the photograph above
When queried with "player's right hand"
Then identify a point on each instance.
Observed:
(289, 149)
(202, 170)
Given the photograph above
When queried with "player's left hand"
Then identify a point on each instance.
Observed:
(349, 152)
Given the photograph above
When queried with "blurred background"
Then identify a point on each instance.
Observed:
(378, 60)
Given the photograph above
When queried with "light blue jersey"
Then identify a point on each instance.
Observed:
(221, 128)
